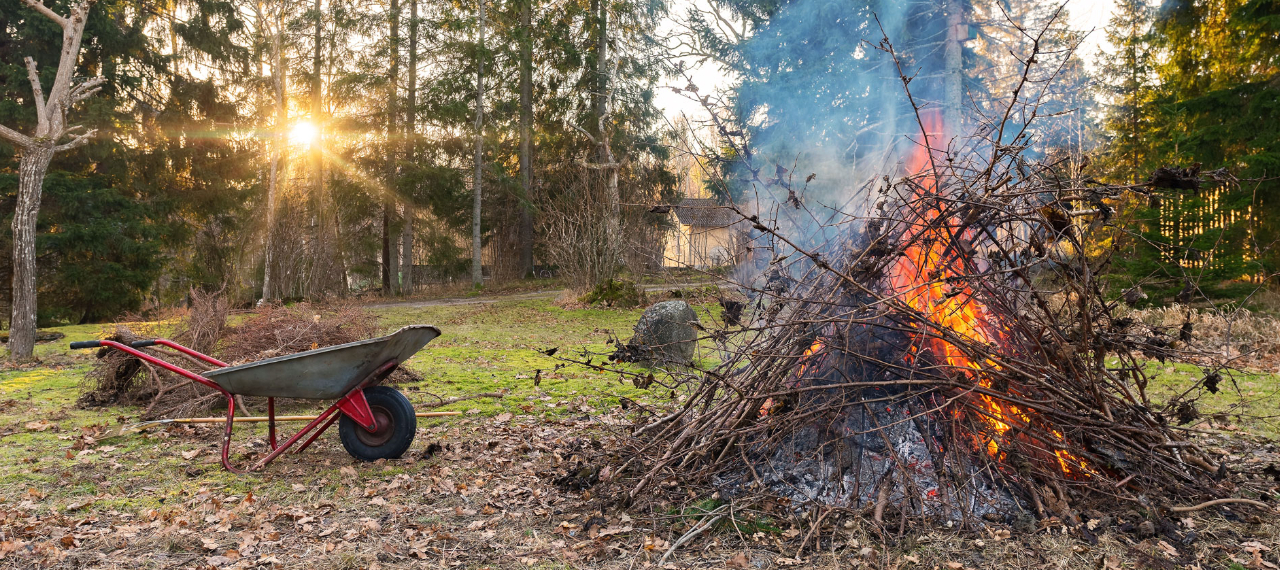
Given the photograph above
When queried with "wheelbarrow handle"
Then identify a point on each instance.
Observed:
(98, 343)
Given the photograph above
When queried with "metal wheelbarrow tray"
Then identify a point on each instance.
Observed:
(377, 422)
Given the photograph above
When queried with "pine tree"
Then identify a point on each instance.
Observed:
(1128, 85)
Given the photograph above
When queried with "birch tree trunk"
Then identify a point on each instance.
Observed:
(37, 151)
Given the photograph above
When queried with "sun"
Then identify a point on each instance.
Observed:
(304, 133)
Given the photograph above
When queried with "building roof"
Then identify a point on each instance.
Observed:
(705, 212)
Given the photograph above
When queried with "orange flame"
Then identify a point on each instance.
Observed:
(930, 278)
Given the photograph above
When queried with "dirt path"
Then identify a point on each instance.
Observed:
(543, 294)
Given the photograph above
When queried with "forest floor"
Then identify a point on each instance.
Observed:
(481, 490)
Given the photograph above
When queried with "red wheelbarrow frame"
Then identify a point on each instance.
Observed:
(353, 404)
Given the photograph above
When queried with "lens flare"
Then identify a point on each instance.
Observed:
(304, 133)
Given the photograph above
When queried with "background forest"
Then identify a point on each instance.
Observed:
(277, 149)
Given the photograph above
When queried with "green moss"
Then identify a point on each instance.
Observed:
(615, 293)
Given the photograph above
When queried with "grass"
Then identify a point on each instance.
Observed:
(491, 347)
(494, 347)
(1246, 400)
(58, 461)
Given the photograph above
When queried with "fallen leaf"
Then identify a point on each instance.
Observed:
(348, 471)
(613, 529)
(209, 544)
(190, 454)
(40, 425)
(739, 560)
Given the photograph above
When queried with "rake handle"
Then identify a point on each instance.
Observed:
(252, 419)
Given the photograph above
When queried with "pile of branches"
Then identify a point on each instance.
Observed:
(270, 330)
(966, 297)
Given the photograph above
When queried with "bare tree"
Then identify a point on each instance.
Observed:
(37, 150)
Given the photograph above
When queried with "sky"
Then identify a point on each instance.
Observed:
(1084, 15)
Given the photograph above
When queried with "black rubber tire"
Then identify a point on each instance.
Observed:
(397, 424)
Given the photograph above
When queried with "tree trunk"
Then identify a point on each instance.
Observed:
(269, 285)
(604, 152)
(411, 121)
(406, 250)
(389, 264)
(324, 275)
(526, 137)
(477, 270)
(22, 327)
(953, 78)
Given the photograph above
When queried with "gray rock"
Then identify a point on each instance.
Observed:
(665, 334)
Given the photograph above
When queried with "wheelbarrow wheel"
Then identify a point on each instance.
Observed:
(397, 424)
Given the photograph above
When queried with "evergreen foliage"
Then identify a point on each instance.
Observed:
(1195, 84)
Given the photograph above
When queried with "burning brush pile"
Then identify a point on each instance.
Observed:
(949, 355)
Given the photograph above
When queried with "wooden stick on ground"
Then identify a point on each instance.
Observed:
(1215, 502)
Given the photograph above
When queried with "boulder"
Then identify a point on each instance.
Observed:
(665, 334)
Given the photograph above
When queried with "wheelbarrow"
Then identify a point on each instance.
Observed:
(374, 421)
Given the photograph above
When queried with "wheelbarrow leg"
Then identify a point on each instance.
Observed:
(306, 444)
(226, 437)
(271, 422)
(352, 404)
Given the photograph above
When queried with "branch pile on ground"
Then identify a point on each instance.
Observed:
(954, 340)
(268, 331)
(966, 304)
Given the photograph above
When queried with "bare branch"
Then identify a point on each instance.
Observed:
(15, 137)
(86, 90)
(33, 76)
(600, 166)
(584, 132)
(37, 6)
(79, 141)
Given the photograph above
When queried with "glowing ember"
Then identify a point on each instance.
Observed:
(808, 352)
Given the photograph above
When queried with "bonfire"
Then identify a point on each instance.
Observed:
(947, 354)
